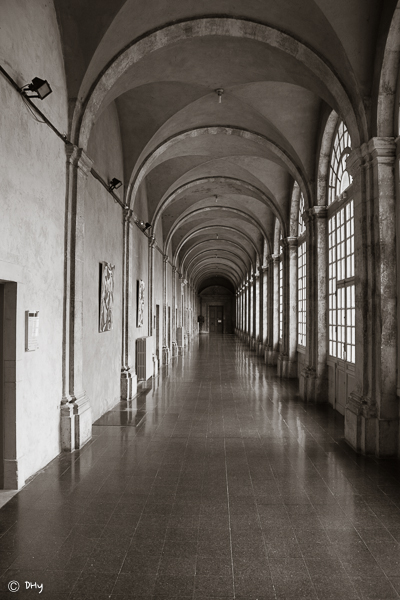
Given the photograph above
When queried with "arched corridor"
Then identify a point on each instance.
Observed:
(199, 298)
(218, 482)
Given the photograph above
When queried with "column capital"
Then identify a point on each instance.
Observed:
(319, 212)
(78, 157)
(290, 242)
(152, 241)
(165, 258)
(357, 158)
(382, 149)
(276, 258)
(174, 269)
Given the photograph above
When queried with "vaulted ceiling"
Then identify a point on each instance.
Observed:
(218, 170)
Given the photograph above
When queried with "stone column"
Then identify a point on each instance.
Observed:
(256, 310)
(274, 344)
(165, 350)
(152, 244)
(265, 307)
(76, 414)
(174, 323)
(283, 352)
(249, 308)
(128, 374)
(261, 311)
(180, 333)
(289, 367)
(372, 412)
(313, 379)
(270, 311)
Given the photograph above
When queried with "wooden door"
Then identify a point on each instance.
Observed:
(216, 319)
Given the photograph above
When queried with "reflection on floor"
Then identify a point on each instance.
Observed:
(218, 483)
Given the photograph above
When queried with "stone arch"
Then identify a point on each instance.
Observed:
(277, 233)
(209, 227)
(324, 158)
(242, 248)
(387, 109)
(86, 112)
(294, 210)
(268, 201)
(211, 251)
(152, 157)
(190, 215)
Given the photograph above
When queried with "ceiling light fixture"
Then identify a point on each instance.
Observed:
(40, 87)
(219, 92)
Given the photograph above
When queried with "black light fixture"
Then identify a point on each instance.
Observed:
(114, 184)
(146, 226)
(40, 87)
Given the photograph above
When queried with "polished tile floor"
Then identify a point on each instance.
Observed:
(218, 483)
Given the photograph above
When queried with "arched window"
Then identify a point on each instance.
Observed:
(301, 275)
(341, 284)
(339, 178)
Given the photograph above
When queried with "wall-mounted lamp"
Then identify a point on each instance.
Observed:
(114, 184)
(40, 87)
(219, 92)
(146, 226)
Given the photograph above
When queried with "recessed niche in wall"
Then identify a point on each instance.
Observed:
(106, 296)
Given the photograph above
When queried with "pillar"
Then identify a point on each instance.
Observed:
(313, 381)
(372, 411)
(273, 345)
(165, 350)
(261, 311)
(289, 351)
(128, 374)
(76, 414)
(265, 307)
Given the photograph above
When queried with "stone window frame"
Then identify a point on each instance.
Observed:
(340, 249)
(301, 277)
(339, 178)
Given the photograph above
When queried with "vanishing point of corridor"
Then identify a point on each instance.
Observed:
(217, 483)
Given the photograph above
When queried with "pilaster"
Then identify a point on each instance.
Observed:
(313, 380)
(128, 374)
(76, 416)
(273, 345)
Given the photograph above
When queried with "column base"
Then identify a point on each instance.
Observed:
(155, 364)
(83, 421)
(252, 343)
(271, 356)
(165, 355)
(67, 427)
(128, 384)
(365, 432)
(279, 364)
(313, 388)
(13, 474)
(289, 368)
(174, 350)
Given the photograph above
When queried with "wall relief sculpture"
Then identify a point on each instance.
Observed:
(106, 296)
(140, 303)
